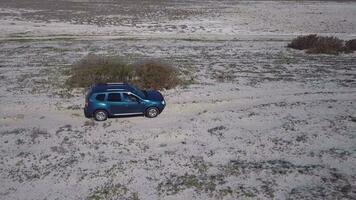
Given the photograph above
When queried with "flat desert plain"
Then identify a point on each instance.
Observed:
(258, 121)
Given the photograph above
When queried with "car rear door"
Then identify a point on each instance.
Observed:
(115, 103)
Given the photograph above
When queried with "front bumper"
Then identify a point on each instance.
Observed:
(161, 107)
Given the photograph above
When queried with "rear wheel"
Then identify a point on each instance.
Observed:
(100, 115)
(152, 112)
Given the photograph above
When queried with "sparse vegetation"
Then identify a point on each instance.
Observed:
(314, 44)
(215, 184)
(224, 76)
(102, 69)
(179, 183)
(113, 191)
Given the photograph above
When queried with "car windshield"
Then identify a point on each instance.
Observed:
(138, 92)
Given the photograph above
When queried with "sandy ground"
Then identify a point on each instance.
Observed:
(260, 122)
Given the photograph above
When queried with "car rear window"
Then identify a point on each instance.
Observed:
(89, 92)
(100, 97)
(114, 97)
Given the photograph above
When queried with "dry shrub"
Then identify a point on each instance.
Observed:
(156, 75)
(351, 45)
(327, 45)
(303, 42)
(99, 69)
(315, 44)
(94, 69)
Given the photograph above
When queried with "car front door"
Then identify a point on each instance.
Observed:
(134, 104)
(116, 105)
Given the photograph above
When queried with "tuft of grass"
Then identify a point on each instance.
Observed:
(36, 133)
(314, 44)
(89, 123)
(217, 131)
(19, 163)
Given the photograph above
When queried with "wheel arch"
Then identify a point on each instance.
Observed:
(103, 109)
(152, 106)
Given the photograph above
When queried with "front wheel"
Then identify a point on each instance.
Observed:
(100, 115)
(152, 112)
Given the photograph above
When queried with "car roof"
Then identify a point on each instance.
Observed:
(110, 87)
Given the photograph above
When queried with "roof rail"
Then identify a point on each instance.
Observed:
(115, 89)
(115, 83)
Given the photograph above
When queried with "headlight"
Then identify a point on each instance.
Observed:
(163, 102)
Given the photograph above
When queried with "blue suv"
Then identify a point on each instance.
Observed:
(120, 99)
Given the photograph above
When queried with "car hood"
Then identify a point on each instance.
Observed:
(154, 95)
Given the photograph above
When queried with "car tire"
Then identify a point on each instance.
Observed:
(152, 112)
(100, 115)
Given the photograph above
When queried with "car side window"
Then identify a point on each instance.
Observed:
(115, 97)
(100, 97)
(130, 97)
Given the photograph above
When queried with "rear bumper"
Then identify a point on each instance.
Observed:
(87, 114)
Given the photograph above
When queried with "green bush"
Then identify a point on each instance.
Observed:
(94, 69)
